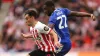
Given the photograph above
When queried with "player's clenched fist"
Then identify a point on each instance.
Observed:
(93, 17)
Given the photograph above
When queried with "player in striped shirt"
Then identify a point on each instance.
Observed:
(41, 34)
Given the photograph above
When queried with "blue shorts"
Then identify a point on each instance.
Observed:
(65, 49)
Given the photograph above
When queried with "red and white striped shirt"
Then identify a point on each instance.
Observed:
(42, 37)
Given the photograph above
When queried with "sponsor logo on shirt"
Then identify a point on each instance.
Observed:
(46, 28)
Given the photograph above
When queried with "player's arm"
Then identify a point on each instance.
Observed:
(54, 36)
(28, 35)
(52, 22)
(81, 14)
(78, 14)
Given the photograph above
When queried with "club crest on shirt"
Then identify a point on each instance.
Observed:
(46, 28)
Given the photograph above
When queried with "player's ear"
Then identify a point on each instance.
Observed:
(53, 7)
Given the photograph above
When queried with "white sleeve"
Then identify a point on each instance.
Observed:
(44, 29)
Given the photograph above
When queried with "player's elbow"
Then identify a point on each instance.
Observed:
(52, 33)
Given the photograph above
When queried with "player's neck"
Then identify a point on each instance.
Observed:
(34, 23)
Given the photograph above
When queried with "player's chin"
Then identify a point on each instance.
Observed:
(49, 14)
(29, 24)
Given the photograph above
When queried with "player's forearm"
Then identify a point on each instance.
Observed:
(54, 35)
(27, 35)
(79, 14)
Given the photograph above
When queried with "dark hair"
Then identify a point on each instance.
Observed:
(32, 12)
(49, 3)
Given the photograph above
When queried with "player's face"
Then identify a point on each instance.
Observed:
(48, 10)
(29, 20)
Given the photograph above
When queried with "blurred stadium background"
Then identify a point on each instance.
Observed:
(85, 33)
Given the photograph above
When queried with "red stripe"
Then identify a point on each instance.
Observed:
(35, 37)
(42, 46)
(44, 38)
(50, 47)
(33, 33)
(53, 47)
(51, 42)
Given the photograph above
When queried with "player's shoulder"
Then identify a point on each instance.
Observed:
(61, 9)
(58, 11)
(39, 25)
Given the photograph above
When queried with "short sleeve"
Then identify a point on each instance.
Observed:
(44, 29)
(66, 11)
(52, 20)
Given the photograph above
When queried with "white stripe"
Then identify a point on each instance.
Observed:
(46, 48)
(48, 42)
(52, 45)
(42, 40)
(37, 40)
(34, 37)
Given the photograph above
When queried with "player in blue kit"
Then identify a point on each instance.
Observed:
(58, 20)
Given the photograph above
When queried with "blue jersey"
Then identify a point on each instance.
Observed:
(60, 21)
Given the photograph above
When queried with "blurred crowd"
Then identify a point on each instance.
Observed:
(85, 33)
(0, 4)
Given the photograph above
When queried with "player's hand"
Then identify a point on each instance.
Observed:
(93, 17)
(58, 44)
(23, 35)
